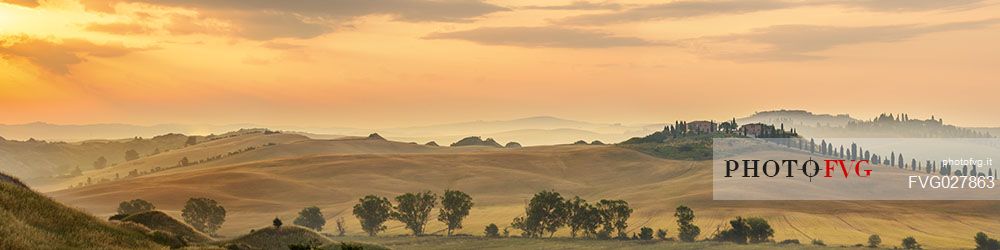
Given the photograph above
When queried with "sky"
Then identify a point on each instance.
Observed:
(388, 63)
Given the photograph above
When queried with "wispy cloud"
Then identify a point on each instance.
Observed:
(57, 56)
(577, 5)
(547, 36)
(798, 42)
(697, 8)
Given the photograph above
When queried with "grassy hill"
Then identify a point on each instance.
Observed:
(29, 220)
(156, 220)
(281, 180)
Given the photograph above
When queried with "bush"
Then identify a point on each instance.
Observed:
(135, 206)
(492, 230)
(984, 242)
(874, 241)
(818, 242)
(661, 234)
(743, 231)
(646, 233)
(911, 243)
(789, 242)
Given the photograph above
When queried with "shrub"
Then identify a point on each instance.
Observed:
(276, 222)
(911, 243)
(984, 242)
(310, 217)
(874, 241)
(789, 242)
(818, 242)
(661, 234)
(204, 214)
(135, 206)
(492, 230)
(646, 233)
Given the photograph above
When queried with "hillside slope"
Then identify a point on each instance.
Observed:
(29, 220)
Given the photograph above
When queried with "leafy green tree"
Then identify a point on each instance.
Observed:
(492, 230)
(874, 241)
(455, 206)
(646, 233)
(131, 155)
(413, 210)
(373, 211)
(546, 212)
(311, 217)
(204, 214)
(984, 242)
(582, 218)
(911, 243)
(135, 206)
(687, 231)
(614, 216)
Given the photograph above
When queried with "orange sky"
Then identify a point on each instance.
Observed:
(385, 63)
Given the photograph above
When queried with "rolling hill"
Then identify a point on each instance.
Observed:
(280, 180)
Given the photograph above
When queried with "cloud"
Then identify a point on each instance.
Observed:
(57, 56)
(796, 42)
(120, 28)
(549, 36)
(577, 5)
(679, 9)
(268, 19)
(697, 8)
(25, 3)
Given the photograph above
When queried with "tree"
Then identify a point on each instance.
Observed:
(413, 209)
(984, 242)
(546, 212)
(310, 217)
(582, 218)
(874, 241)
(204, 214)
(135, 206)
(760, 230)
(492, 230)
(661, 234)
(100, 163)
(341, 226)
(276, 222)
(738, 232)
(646, 233)
(455, 206)
(911, 243)
(687, 231)
(373, 211)
(131, 155)
(614, 216)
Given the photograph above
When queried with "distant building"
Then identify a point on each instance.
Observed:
(754, 129)
(702, 127)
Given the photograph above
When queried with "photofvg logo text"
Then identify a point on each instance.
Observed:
(790, 168)
(854, 169)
